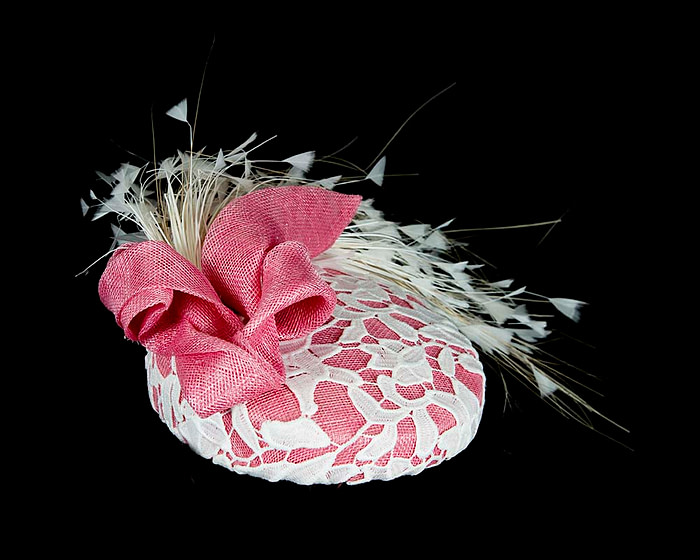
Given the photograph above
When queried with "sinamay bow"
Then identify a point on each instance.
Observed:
(257, 286)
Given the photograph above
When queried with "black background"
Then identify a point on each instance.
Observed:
(536, 127)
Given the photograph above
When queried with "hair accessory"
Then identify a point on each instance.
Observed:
(294, 333)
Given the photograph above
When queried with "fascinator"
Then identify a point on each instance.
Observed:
(293, 332)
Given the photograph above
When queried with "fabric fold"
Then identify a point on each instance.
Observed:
(223, 324)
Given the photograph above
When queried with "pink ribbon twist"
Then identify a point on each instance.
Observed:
(257, 286)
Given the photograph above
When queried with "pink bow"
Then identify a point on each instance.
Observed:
(256, 260)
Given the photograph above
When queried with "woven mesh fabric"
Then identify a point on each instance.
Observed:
(386, 387)
(256, 261)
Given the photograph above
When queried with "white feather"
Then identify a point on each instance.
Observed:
(498, 310)
(301, 161)
(415, 231)
(538, 327)
(488, 337)
(569, 307)
(544, 383)
(436, 240)
(516, 292)
(454, 269)
(447, 223)
(126, 173)
(528, 335)
(120, 236)
(376, 174)
(106, 178)
(330, 182)
(503, 283)
(179, 111)
(115, 204)
(296, 174)
(220, 161)
(239, 149)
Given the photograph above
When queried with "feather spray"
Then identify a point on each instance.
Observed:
(177, 200)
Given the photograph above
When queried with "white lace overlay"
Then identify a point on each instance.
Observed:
(387, 387)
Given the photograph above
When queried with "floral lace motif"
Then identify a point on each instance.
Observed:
(387, 387)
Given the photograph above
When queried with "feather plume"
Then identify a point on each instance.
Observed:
(545, 385)
(330, 182)
(569, 307)
(192, 188)
(179, 111)
(301, 161)
(240, 148)
(415, 231)
(503, 283)
(376, 174)
(220, 161)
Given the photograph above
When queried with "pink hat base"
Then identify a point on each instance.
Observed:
(387, 387)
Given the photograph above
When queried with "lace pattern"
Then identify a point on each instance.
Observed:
(387, 387)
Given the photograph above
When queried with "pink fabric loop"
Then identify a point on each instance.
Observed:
(256, 260)
(292, 293)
